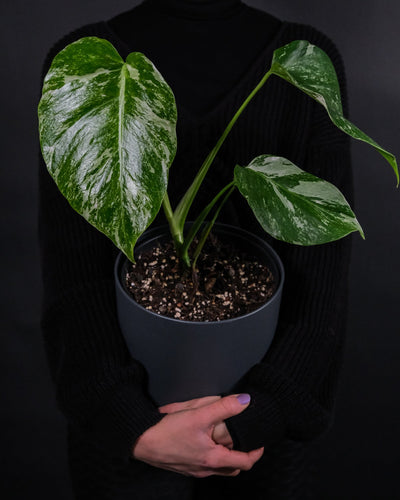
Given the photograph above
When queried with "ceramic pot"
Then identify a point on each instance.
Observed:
(189, 359)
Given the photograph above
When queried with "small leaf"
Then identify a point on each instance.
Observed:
(293, 205)
(308, 68)
(107, 131)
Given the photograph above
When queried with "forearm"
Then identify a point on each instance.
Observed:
(285, 386)
(99, 387)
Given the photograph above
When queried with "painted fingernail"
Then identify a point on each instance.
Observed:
(243, 399)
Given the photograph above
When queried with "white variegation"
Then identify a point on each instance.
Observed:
(308, 68)
(292, 205)
(85, 78)
(108, 136)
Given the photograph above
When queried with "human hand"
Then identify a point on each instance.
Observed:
(182, 442)
(190, 404)
(220, 433)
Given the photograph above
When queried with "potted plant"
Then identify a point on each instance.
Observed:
(107, 130)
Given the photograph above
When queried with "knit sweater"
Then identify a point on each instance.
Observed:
(212, 54)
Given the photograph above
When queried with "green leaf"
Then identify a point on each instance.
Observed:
(293, 205)
(308, 68)
(108, 136)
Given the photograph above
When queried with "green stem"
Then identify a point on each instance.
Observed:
(176, 234)
(207, 229)
(185, 203)
(200, 219)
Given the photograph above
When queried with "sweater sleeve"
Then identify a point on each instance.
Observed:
(99, 387)
(293, 387)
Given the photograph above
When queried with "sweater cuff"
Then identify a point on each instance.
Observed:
(260, 424)
(121, 420)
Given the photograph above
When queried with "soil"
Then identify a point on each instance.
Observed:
(226, 284)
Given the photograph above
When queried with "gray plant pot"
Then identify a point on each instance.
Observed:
(189, 359)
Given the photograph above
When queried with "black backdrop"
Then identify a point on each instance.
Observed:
(357, 458)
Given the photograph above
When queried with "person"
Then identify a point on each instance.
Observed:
(257, 439)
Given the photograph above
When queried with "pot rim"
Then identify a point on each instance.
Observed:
(148, 233)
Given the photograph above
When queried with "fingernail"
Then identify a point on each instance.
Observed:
(243, 399)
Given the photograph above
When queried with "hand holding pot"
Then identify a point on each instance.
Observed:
(182, 441)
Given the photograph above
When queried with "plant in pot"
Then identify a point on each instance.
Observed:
(107, 131)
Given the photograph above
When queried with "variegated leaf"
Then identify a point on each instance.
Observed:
(107, 131)
(308, 68)
(293, 205)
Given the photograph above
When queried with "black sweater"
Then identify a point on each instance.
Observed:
(212, 54)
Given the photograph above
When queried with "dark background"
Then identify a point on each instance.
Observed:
(357, 458)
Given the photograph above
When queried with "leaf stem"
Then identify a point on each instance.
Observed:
(185, 203)
(199, 221)
(206, 231)
(176, 234)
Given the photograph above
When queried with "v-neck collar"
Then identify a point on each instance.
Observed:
(246, 82)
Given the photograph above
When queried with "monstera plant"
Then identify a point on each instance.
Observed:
(107, 132)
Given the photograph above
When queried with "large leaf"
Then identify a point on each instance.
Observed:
(310, 69)
(293, 205)
(108, 136)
